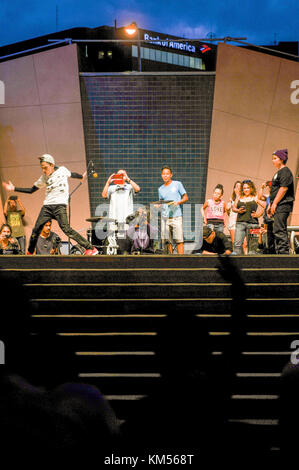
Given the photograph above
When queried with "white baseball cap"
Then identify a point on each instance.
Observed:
(47, 158)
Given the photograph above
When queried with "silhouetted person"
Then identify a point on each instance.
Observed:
(41, 409)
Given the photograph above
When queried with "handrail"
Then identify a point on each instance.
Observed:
(59, 41)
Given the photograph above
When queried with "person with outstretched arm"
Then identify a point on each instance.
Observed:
(55, 180)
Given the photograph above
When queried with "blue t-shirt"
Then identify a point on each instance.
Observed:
(173, 192)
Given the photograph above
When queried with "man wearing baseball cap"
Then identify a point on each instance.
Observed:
(214, 242)
(281, 201)
(55, 180)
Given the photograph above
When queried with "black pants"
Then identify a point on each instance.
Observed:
(270, 238)
(280, 232)
(57, 212)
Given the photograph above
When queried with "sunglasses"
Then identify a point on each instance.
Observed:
(246, 181)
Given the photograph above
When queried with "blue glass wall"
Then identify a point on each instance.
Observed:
(141, 122)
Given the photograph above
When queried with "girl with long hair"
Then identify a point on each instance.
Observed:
(246, 207)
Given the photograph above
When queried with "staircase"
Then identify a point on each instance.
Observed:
(107, 310)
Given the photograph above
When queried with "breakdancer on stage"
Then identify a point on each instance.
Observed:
(57, 195)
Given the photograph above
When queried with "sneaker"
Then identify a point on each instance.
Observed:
(91, 252)
(29, 253)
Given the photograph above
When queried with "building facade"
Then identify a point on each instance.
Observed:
(214, 114)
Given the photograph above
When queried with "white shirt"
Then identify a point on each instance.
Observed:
(121, 201)
(57, 187)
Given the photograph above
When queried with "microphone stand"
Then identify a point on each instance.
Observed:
(69, 214)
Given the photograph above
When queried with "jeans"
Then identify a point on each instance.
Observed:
(57, 212)
(242, 230)
(218, 226)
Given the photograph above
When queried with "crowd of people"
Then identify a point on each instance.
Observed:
(273, 201)
(239, 217)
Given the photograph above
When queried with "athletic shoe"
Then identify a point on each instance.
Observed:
(29, 253)
(91, 252)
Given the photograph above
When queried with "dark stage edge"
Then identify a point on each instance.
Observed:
(130, 261)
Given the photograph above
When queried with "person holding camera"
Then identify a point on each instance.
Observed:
(14, 212)
(141, 232)
(8, 244)
(120, 190)
(48, 243)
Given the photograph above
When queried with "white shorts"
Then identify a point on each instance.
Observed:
(172, 229)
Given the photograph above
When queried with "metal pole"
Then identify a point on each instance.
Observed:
(139, 51)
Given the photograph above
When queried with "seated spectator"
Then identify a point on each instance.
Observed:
(48, 243)
(263, 240)
(14, 218)
(141, 232)
(214, 242)
(8, 244)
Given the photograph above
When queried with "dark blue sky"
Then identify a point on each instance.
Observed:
(261, 21)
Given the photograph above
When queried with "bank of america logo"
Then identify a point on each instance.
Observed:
(204, 48)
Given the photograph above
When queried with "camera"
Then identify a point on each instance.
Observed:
(118, 179)
(140, 217)
(56, 242)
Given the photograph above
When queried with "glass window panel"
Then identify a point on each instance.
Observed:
(197, 63)
(164, 56)
(192, 62)
(186, 61)
(146, 52)
(175, 59)
(169, 57)
(181, 60)
(158, 56)
(134, 51)
(152, 54)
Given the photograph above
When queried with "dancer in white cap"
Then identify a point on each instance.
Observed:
(55, 180)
